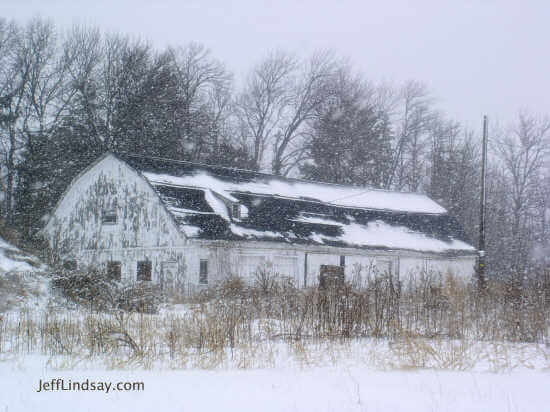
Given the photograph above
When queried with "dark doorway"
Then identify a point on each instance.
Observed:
(144, 269)
(114, 271)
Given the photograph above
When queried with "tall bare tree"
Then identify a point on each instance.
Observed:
(280, 96)
(453, 178)
(14, 76)
(523, 150)
(84, 53)
(203, 92)
(48, 96)
(412, 113)
(307, 94)
(261, 106)
(34, 97)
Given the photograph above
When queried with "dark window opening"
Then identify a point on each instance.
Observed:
(203, 273)
(109, 217)
(331, 276)
(114, 271)
(342, 260)
(185, 198)
(144, 269)
(69, 264)
(236, 211)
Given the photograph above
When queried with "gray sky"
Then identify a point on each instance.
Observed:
(484, 56)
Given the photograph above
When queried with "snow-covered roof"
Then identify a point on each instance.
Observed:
(200, 198)
(336, 195)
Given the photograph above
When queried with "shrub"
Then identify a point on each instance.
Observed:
(94, 288)
(138, 297)
(90, 287)
(266, 280)
(232, 287)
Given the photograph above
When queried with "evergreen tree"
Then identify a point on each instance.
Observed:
(351, 138)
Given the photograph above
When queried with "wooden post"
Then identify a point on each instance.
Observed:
(481, 246)
(305, 270)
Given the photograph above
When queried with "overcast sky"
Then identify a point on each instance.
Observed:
(478, 57)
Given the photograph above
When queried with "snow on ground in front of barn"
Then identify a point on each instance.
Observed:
(338, 388)
(21, 282)
(357, 376)
(13, 259)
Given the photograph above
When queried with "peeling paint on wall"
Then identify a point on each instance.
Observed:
(143, 229)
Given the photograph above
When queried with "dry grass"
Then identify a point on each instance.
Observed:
(421, 323)
(189, 341)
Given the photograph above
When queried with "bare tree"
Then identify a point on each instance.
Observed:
(48, 96)
(306, 96)
(203, 89)
(413, 114)
(14, 76)
(453, 171)
(542, 217)
(261, 106)
(34, 96)
(523, 150)
(280, 96)
(84, 55)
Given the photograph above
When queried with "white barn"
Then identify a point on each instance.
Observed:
(188, 225)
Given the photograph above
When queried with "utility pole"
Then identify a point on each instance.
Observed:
(481, 247)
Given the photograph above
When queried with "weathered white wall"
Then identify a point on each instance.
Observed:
(243, 258)
(144, 229)
(463, 267)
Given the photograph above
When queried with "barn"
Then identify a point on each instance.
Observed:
(187, 226)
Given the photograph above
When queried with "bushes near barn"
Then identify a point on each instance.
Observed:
(95, 289)
(427, 305)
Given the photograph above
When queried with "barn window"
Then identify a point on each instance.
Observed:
(236, 211)
(203, 272)
(70, 264)
(114, 271)
(342, 260)
(109, 217)
(144, 269)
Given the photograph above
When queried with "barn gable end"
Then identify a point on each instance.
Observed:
(110, 213)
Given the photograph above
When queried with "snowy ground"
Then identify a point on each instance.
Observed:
(310, 389)
(21, 284)
(13, 259)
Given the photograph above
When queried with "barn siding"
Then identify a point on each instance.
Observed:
(226, 260)
(144, 229)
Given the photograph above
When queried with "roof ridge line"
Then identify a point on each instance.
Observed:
(294, 179)
(301, 199)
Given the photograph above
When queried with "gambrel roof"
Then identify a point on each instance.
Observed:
(213, 202)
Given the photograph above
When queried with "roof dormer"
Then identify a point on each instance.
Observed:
(238, 211)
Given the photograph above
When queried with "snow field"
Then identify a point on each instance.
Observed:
(338, 388)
